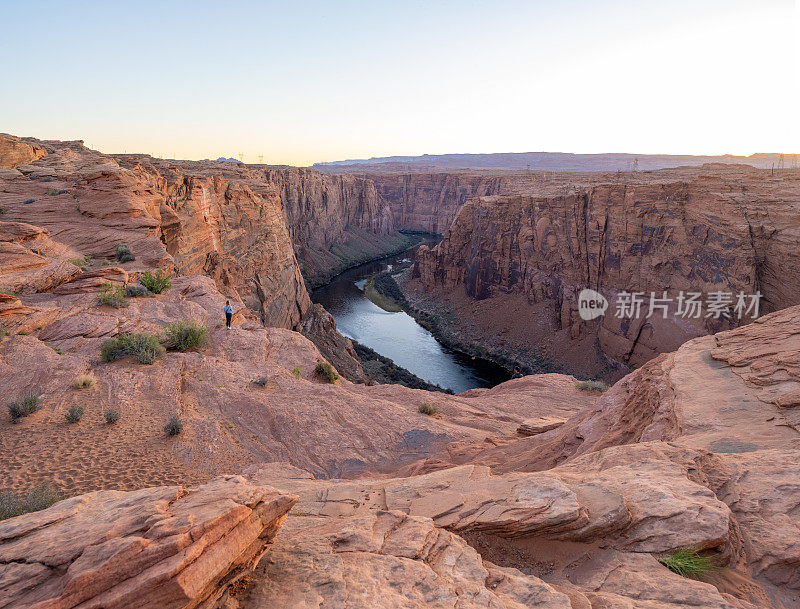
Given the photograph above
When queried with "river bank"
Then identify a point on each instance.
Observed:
(505, 330)
(408, 350)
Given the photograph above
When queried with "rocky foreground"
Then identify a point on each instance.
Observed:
(286, 491)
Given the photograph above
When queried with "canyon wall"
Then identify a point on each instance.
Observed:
(335, 221)
(428, 202)
(705, 230)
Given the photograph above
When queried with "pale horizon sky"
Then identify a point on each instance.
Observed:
(321, 81)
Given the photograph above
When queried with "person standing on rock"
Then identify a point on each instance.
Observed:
(517, 374)
(228, 313)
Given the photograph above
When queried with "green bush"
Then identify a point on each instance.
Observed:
(112, 296)
(296, 372)
(326, 372)
(592, 386)
(83, 262)
(186, 334)
(174, 426)
(123, 254)
(261, 381)
(24, 406)
(427, 408)
(688, 563)
(112, 416)
(144, 347)
(156, 283)
(74, 414)
(136, 290)
(39, 497)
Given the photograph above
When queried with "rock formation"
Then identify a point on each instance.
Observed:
(163, 547)
(692, 230)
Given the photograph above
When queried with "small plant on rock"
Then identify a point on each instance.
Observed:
(174, 426)
(112, 296)
(427, 408)
(326, 372)
(136, 290)
(688, 563)
(186, 334)
(24, 407)
(123, 254)
(156, 283)
(74, 414)
(144, 347)
(592, 386)
(296, 372)
(83, 381)
(261, 381)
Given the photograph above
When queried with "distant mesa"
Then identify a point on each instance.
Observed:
(561, 161)
(228, 159)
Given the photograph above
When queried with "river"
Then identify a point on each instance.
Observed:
(397, 335)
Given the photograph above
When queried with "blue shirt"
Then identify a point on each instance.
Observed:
(228, 309)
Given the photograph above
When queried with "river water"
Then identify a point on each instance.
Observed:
(397, 335)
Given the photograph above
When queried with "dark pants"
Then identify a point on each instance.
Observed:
(228, 319)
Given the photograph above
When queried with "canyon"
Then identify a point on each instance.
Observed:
(283, 490)
(729, 229)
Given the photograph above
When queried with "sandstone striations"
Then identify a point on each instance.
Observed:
(164, 547)
(694, 230)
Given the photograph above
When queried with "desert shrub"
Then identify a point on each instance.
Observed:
(38, 498)
(83, 262)
(592, 386)
(144, 347)
(111, 416)
(156, 283)
(123, 254)
(174, 426)
(427, 408)
(326, 372)
(55, 193)
(83, 381)
(186, 334)
(112, 296)
(24, 406)
(136, 290)
(261, 381)
(74, 414)
(688, 563)
(296, 372)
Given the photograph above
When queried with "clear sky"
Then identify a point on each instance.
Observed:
(300, 82)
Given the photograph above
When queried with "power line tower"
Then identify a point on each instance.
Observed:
(260, 159)
(781, 162)
(241, 157)
(636, 164)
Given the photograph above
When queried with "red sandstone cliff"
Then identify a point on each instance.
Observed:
(709, 229)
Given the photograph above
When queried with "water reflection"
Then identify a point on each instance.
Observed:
(397, 335)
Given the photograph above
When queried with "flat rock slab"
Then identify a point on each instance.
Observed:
(161, 547)
(532, 427)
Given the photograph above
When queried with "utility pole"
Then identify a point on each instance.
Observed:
(636, 164)
(260, 159)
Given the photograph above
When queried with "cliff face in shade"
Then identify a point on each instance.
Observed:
(698, 230)
(428, 202)
(335, 221)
